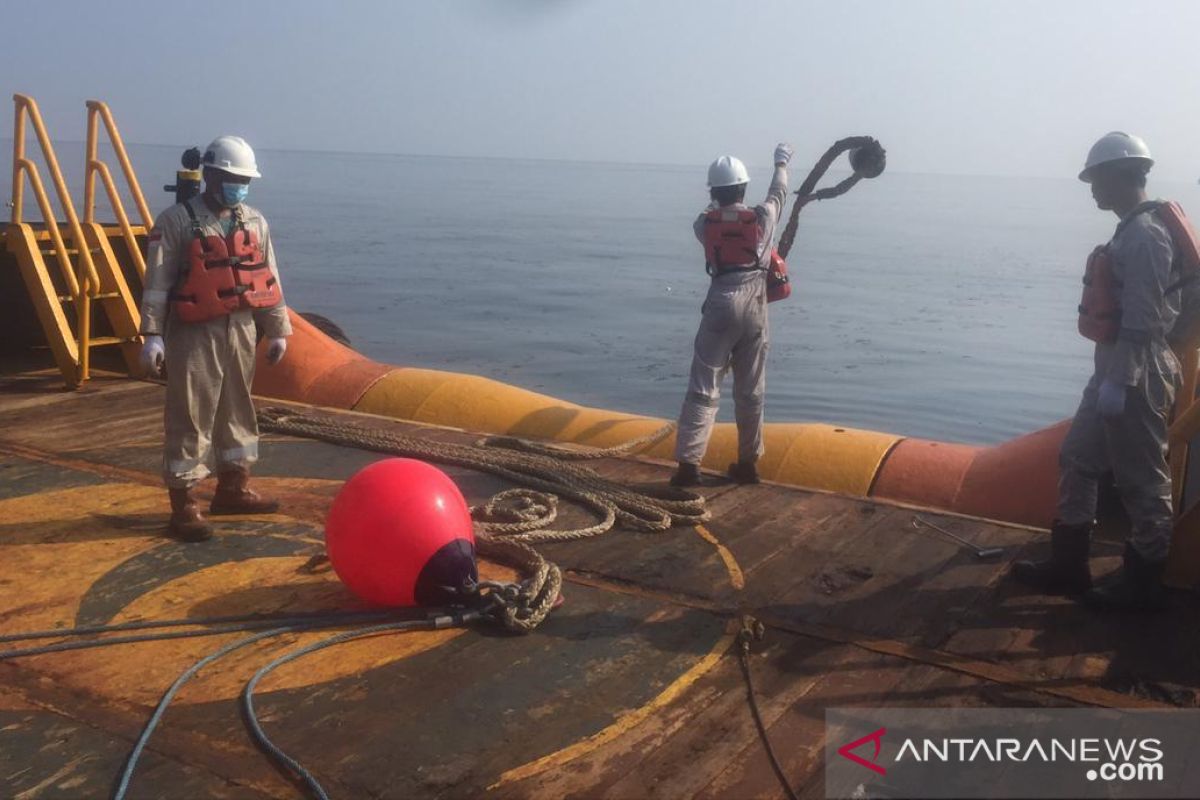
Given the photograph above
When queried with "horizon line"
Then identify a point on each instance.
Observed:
(552, 160)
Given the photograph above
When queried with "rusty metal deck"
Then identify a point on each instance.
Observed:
(630, 690)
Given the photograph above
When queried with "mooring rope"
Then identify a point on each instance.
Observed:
(510, 521)
(868, 161)
(520, 514)
(506, 526)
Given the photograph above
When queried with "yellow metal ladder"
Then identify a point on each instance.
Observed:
(68, 273)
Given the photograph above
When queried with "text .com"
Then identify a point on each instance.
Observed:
(1127, 772)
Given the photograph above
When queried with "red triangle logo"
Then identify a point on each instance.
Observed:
(845, 751)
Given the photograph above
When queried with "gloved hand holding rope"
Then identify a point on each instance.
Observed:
(867, 159)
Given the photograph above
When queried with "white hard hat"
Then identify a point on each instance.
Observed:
(1115, 146)
(727, 171)
(231, 154)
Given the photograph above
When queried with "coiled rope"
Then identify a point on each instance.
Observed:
(508, 523)
(521, 514)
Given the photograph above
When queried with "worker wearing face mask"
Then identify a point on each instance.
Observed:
(211, 279)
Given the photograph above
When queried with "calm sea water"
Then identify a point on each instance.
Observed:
(925, 305)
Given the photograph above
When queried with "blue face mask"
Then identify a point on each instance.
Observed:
(234, 193)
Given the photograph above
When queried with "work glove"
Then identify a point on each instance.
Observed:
(154, 355)
(783, 154)
(276, 347)
(1110, 401)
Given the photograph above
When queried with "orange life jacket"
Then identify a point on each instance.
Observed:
(224, 274)
(1100, 306)
(731, 239)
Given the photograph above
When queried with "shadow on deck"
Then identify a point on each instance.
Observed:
(625, 692)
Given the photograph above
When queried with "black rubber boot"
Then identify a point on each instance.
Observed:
(686, 475)
(1136, 586)
(743, 472)
(1066, 571)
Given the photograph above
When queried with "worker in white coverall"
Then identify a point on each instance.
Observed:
(733, 326)
(200, 308)
(1121, 424)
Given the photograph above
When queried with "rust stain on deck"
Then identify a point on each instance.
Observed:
(624, 692)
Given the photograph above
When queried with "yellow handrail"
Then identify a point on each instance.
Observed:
(18, 185)
(89, 280)
(98, 109)
(39, 191)
(127, 233)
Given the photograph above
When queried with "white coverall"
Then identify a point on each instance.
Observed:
(1133, 444)
(733, 334)
(209, 416)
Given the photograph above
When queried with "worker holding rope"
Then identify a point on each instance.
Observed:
(733, 326)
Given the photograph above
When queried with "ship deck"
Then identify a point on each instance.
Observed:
(630, 689)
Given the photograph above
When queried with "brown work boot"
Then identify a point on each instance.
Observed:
(187, 523)
(233, 495)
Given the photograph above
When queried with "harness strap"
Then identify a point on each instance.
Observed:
(238, 220)
(197, 231)
(1142, 208)
(1176, 266)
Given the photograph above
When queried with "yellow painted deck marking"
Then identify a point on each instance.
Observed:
(61, 541)
(258, 585)
(622, 724)
(736, 578)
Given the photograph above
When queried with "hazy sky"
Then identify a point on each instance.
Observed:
(989, 87)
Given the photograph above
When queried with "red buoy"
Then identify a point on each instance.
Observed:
(399, 534)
